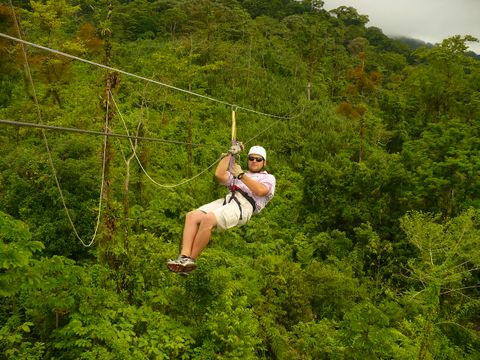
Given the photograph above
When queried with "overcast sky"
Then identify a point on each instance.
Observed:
(427, 20)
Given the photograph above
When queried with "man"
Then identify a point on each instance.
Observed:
(249, 192)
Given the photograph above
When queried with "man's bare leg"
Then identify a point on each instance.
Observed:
(196, 235)
(190, 229)
(208, 222)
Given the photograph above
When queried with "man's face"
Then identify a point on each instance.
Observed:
(255, 162)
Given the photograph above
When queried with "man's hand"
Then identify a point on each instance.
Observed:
(236, 170)
(236, 148)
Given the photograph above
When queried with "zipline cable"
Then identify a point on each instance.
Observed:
(43, 127)
(152, 81)
(142, 77)
(50, 158)
(260, 133)
(140, 163)
(99, 133)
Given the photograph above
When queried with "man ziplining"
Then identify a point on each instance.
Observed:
(250, 192)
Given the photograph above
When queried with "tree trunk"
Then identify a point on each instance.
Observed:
(433, 298)
(108, 216)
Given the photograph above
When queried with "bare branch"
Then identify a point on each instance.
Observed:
(458, 290)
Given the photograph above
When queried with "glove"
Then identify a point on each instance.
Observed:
(236, 148)
(236, 170)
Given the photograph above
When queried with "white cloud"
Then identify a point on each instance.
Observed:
(427, 20)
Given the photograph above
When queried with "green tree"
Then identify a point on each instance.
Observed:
(441, 84)
(17, 250)
(443, 169)
(309, 34)
(279, 8)
(353, 22)
(48, 21)
(443, 273)
(16, 256)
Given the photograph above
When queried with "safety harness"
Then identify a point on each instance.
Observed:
(233, 191)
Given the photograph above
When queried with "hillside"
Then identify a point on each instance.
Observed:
(113, 116)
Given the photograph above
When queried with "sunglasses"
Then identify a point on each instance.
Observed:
(257, 159)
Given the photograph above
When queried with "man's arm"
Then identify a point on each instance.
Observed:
(257, 188)
(221, 172)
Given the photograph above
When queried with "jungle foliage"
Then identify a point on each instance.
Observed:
(369, 249)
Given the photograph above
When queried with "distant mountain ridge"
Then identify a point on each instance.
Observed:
(413, 43)
(417, 43)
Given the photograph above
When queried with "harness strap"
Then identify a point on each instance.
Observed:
(246, 196)
(236, 200)
(234, 189)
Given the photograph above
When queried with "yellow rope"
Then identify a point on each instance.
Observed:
(234, 127)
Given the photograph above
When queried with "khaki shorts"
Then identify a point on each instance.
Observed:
(228, 215)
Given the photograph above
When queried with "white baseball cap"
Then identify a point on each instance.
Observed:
(258, 150)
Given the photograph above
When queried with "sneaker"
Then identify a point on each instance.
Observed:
(182, 264)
